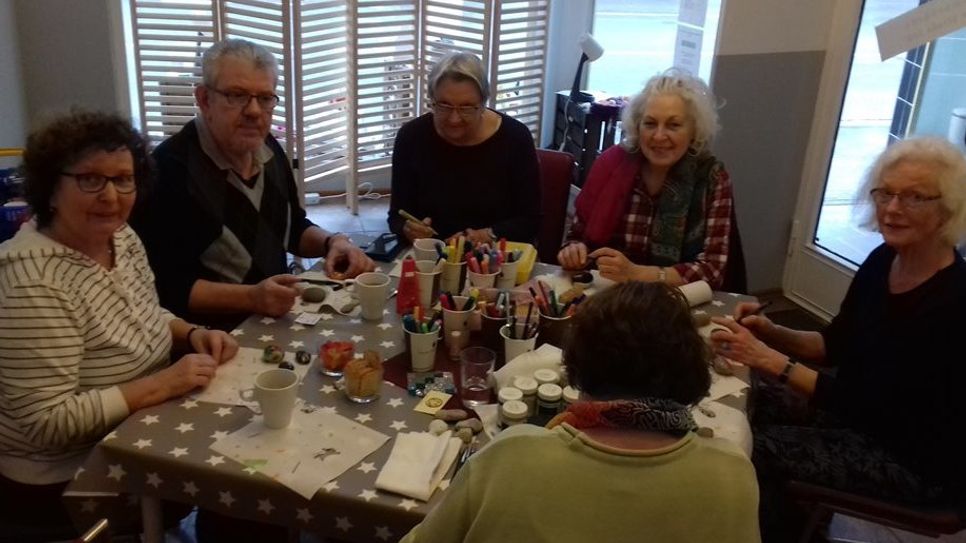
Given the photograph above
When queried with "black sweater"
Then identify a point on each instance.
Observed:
(492, 184)
(902, 372)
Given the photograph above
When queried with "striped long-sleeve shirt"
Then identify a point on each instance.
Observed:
(70, 332)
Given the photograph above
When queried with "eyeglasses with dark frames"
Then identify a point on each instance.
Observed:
(465, 112)
(95, 182)
(242, 99)
(908, 200)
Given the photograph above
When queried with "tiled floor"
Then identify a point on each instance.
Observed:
(333, 215)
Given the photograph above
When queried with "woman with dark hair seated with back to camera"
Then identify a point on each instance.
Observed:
(83, 341)
(622, 464)
(886, 424)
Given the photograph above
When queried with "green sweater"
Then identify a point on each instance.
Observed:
(533, 485)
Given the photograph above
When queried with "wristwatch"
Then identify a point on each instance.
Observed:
(786, 371)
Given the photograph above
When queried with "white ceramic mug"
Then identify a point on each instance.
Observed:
(372, 288)
(275, 390)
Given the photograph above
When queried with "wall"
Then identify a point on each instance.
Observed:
(569, 19)
(12, 128)
(66, 56)
(768, 66)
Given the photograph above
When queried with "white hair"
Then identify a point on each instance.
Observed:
(459, 66)
(259, 56)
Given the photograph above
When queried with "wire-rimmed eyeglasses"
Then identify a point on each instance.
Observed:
(242, 99)
(908, 200)
(95, 182)
(465, 112)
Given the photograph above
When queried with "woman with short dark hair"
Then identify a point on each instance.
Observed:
(622, 463)
(464, 168)
(83, 341)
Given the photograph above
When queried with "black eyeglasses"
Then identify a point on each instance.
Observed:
(95, 182)
(908, 200)
(465, 112)
(242, 99)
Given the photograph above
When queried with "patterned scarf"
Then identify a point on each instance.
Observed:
(641, 414)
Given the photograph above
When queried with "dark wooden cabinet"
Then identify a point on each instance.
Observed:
(584, 130)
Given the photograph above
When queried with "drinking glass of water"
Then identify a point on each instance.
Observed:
(476, 369)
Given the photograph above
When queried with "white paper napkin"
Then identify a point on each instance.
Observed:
(417, 463)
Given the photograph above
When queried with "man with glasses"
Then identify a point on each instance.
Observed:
(464, 168)
(226, 208)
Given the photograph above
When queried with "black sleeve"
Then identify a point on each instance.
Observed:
(524, 221)
(404, 184)
(173, 231)
(300, 222)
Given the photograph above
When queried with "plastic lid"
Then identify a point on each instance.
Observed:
(549, 392)
(509, 393)
(527, 385)
(546, 376)
(571, 394)
(514, 409)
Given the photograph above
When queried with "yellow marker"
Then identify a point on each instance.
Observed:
(460, 243)
(411, 218)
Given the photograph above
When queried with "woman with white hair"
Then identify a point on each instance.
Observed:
(882, 422)
(657, 207)
(464, 168)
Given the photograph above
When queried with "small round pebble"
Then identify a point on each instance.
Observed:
(465, 434)
(272, 354)
(303, 357)
(313, 295)
(286, 365)
(473, 424)
(437, 427)
(451, 415)
(704, 431)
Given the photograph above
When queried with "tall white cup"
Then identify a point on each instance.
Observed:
(425, 248)
(372, 288)
(428, 276)
(508, 275)
(422, 350)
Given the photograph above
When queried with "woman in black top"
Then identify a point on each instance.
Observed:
(464, 168)
(885, 424)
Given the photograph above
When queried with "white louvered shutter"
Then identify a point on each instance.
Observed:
(168, 39)
(321, 83)
(518, 62)
(351, 72)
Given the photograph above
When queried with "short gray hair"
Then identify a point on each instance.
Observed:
(259, 56)
(459, 66)
(698, 100)
(949, 166)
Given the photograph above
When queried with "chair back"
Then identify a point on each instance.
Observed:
(736, 275)
(556, 176)
(821, 501)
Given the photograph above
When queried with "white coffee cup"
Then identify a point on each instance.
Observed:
(372, 288)
(513, 348)
(275, 390)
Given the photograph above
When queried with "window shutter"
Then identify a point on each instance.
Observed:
(321, 82)
(518, 63)
(168, 40)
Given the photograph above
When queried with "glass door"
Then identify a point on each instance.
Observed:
(864, 104)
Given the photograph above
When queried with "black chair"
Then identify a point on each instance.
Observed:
(821, 502)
